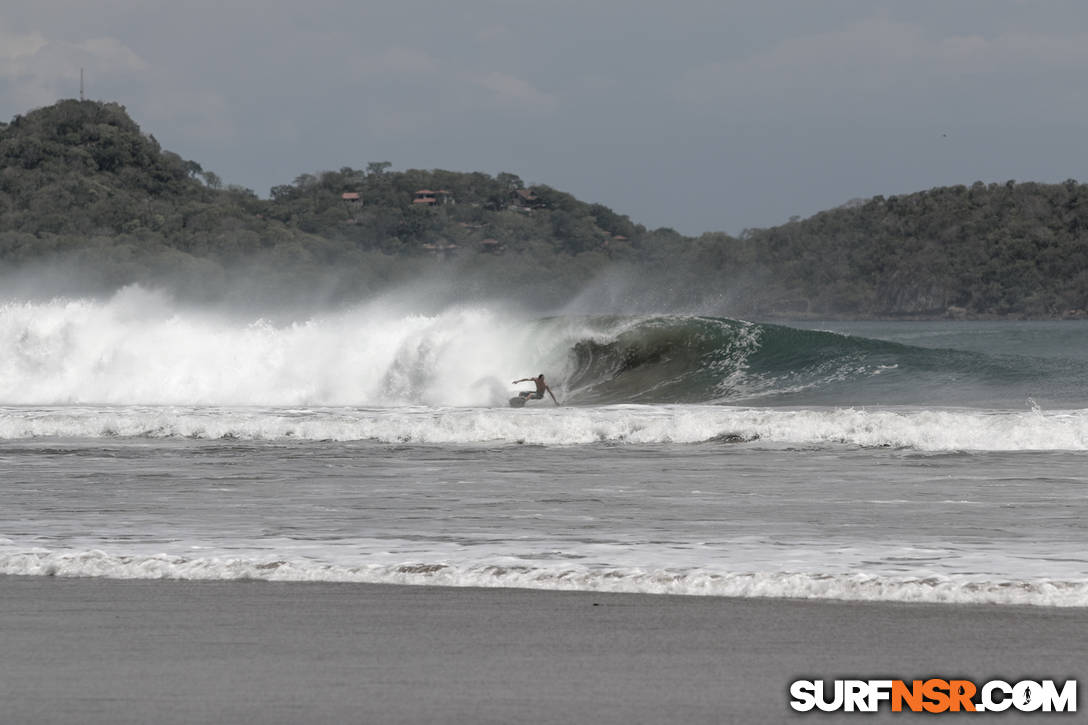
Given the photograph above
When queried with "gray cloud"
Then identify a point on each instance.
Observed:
(882, 57)
(696, 114)
(36, 70)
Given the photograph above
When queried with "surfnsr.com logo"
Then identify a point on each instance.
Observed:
(933, 695)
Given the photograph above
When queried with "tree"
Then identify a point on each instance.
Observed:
(510, 182)
(305, 181)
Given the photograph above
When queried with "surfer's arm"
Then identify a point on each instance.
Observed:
(551, 394)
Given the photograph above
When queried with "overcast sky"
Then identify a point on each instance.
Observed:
(694, 114)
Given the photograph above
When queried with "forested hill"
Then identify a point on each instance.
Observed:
(85, 192)
(1018, 249)
(81, 187)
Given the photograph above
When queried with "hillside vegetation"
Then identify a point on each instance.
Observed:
(84, 192)
(998, 249)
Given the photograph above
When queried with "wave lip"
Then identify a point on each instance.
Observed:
(919, 429)
(140, 348)
(853, 587)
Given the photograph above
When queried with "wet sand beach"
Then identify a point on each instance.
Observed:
(112, 651)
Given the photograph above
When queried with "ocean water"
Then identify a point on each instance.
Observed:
(938, 462)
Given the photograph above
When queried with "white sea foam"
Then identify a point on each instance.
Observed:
(139, 348)
(137, 365)
(857, 587)
(925, 430)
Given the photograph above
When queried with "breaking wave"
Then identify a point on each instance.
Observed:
(139, 348)
(925, 430)
(857, 587)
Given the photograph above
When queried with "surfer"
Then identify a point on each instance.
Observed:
(541, 387)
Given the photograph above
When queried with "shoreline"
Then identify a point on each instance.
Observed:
(119, 651)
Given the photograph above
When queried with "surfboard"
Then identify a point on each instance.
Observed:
(518, 402)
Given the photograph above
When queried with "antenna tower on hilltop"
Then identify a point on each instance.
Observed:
(81, 85)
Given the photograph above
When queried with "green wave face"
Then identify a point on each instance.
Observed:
(715, 360)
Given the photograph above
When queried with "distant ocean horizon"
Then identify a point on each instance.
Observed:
(939, 461)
